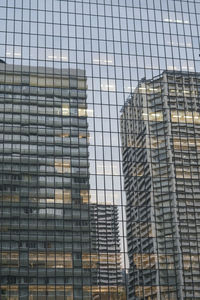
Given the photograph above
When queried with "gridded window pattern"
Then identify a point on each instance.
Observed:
(160, 141)
(99, 149)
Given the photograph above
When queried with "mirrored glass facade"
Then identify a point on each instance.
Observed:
(99, 149)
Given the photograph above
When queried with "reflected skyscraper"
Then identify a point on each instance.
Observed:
(44, 183)
(106, 243)
(160, 130)
(54, 243)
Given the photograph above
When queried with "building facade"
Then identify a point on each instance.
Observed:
(55, 244)
(160, 130)
(44, 183)
(48, 44)
(106, 243)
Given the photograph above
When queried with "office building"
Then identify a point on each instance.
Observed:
(105, 260)
(44, 183)
(105, 232)
(54, 242)
(160, 130)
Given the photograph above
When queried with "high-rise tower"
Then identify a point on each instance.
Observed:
(160, 130)
(44, 183)
(106, 243)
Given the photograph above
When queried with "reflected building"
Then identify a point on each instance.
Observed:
(44, 183)
(160, 131)
(54, 243)
(105, 232)
(105, 257)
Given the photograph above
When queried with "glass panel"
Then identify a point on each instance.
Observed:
(99, 149)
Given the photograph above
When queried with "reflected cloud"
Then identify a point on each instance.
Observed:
(57, 58)
(10, 54)
(13, 52)
(103, 59)
(108, 85)
(176, 21)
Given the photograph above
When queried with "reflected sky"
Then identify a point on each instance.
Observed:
(136, 35)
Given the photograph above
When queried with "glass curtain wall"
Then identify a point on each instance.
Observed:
(99, 149)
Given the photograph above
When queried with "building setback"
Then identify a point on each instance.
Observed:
(160, 131)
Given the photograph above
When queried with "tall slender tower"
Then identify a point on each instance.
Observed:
(106, 243)
(160, 130)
